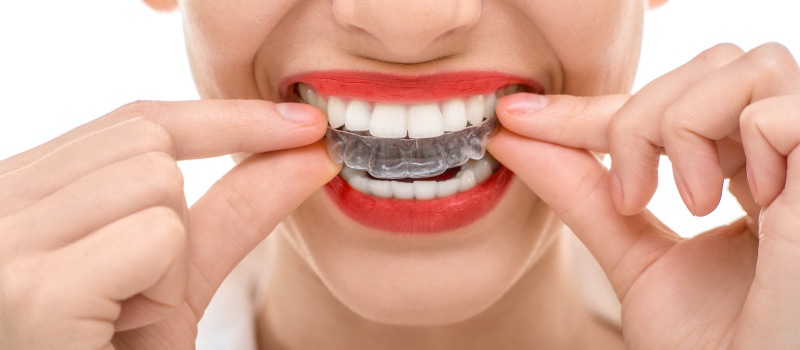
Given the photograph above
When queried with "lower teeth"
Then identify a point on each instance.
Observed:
(472, 173)
(408, 158)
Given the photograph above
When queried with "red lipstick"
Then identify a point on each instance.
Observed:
(420, 217)
(378, 87)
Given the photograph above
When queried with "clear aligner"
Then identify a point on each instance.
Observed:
(388, 158)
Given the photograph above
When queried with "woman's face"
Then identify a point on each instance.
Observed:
(414, 261)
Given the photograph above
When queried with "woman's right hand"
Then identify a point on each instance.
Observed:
(98, 247)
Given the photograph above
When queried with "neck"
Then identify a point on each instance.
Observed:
(543, 310)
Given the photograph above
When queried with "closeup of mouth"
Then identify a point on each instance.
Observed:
(413, 148)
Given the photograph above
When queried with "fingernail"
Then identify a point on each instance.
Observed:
(616, 190)
(298, 112)
(523, 103)
(752, 183)
(683, 189)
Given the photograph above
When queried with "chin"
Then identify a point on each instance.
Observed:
(422, 279)
(420, 289)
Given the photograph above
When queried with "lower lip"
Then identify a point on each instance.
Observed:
(420, 217)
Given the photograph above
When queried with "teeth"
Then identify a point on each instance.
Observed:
(490, 102)
(424, 190)
(380, 188)
(390, 121)
(447, 188)
(425, 120)
(416, 120)
(402, 190)
(357, 115)
(475, 108)
(432, 121)
(472, 174)
(454, 113)
(337, 110)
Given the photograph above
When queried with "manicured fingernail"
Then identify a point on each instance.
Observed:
(523, 103)
(617, 195)
(683, 189)
(298, 112)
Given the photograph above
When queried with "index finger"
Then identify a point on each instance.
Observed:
(210, 128)
(203, 129)
(572, 121)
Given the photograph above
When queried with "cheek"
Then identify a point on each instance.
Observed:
(424, 281)
(597, 42)
(222, 42)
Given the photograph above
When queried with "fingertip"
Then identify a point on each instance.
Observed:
(521, 104)
(329, 167)
(685, 192)
(617, 194)
(317, 160)
(702, 194)
(300, 113)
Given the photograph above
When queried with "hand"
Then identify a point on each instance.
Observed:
(98, 246)
(725, 114)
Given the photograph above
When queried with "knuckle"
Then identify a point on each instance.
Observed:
(133, 109)
(679, 118)
(161, 176)
(720, 55)
(748, 119)
(772, 58)
(167, 225)
(153, 136)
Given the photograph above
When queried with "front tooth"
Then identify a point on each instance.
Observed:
(475, 107)
(454, 114)
(402, 190)
(490, 103)
(425, 120)
(348, 173)
(380, 188)
(337, 110)
(388, 120)
(356, 116)
(424, 190)
(360, 184)
(447, 188)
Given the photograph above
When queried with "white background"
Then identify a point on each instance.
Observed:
(64, 63)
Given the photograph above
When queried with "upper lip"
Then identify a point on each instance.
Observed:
(380, 87)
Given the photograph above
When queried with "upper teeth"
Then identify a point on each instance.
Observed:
(415, 120)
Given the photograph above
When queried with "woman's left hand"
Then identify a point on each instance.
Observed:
(726, 114)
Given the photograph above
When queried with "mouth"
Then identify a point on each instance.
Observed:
(413, 148)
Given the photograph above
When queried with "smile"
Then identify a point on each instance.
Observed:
(413, 148)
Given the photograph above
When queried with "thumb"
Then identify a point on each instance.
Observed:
(575, 185)
(243, 207)
(574, 121)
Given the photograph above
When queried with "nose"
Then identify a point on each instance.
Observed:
(407, 27)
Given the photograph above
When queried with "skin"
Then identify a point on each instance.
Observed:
(91, 281)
